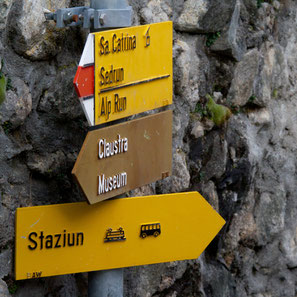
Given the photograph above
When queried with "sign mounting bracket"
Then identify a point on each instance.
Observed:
(99, 16)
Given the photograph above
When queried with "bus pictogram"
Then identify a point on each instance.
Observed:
(150, 229)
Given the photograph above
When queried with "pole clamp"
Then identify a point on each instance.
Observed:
(90, 18)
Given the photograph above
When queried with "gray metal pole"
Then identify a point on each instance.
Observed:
(106, 283)
(108, 4)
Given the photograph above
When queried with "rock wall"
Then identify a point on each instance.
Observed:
(242, 53)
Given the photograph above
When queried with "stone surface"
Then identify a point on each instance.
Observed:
(4, 9)
(246, 168)
(260, 117)
(64, 285)
(209, 192)
(6, 229)
(156, 11)
(59, 97)
(211, 153)
(288, 246)
(242, 86)
(180, 179)
(155, 278)
(30, 34)
(221, 12)
(6, 263)
(18, 104)
(3, 289)
(48, 165)
(232, 40)
(186, 72)
(197, 130)
(147, 190)
(192, 13)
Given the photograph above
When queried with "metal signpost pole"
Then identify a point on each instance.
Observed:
(108, 4)
(106, 283)
(101, 15)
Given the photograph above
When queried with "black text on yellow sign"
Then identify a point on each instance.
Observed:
(133, 70)
(77, 237)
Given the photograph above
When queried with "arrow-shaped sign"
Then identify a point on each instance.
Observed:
(77, 237)
(133, 70)
(84, 80)
(126, 156)
(125, 71)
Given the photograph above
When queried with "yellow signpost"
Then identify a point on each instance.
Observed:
(77, 237)
(133, 70)
(133, 74)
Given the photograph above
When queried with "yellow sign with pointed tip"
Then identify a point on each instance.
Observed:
(77, 237)
(133, 70)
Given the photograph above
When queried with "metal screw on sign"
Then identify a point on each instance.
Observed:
(101, 15)
(102, 19)
(147, 38)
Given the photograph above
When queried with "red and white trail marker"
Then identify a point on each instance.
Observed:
(84, 80)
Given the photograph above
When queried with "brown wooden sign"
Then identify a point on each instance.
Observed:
(123, 157)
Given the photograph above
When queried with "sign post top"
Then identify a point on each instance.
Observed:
(125, 71)
(102, 14)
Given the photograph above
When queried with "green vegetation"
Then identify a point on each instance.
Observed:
(218, 88)
(64, 67)
(13, 288)
(251, 99)
(201, 176)
(219, 113)
(11, 284)
(211, 38)
(200, 109)
(236, 109)
(259, 2)
(2, 84)
(7, 127)
(8, 84)
(61, 177)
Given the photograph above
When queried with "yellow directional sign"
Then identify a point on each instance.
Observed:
(123, 157)
(77, 237)
(133, 70)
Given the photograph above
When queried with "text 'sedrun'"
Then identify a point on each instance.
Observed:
(112, 75)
